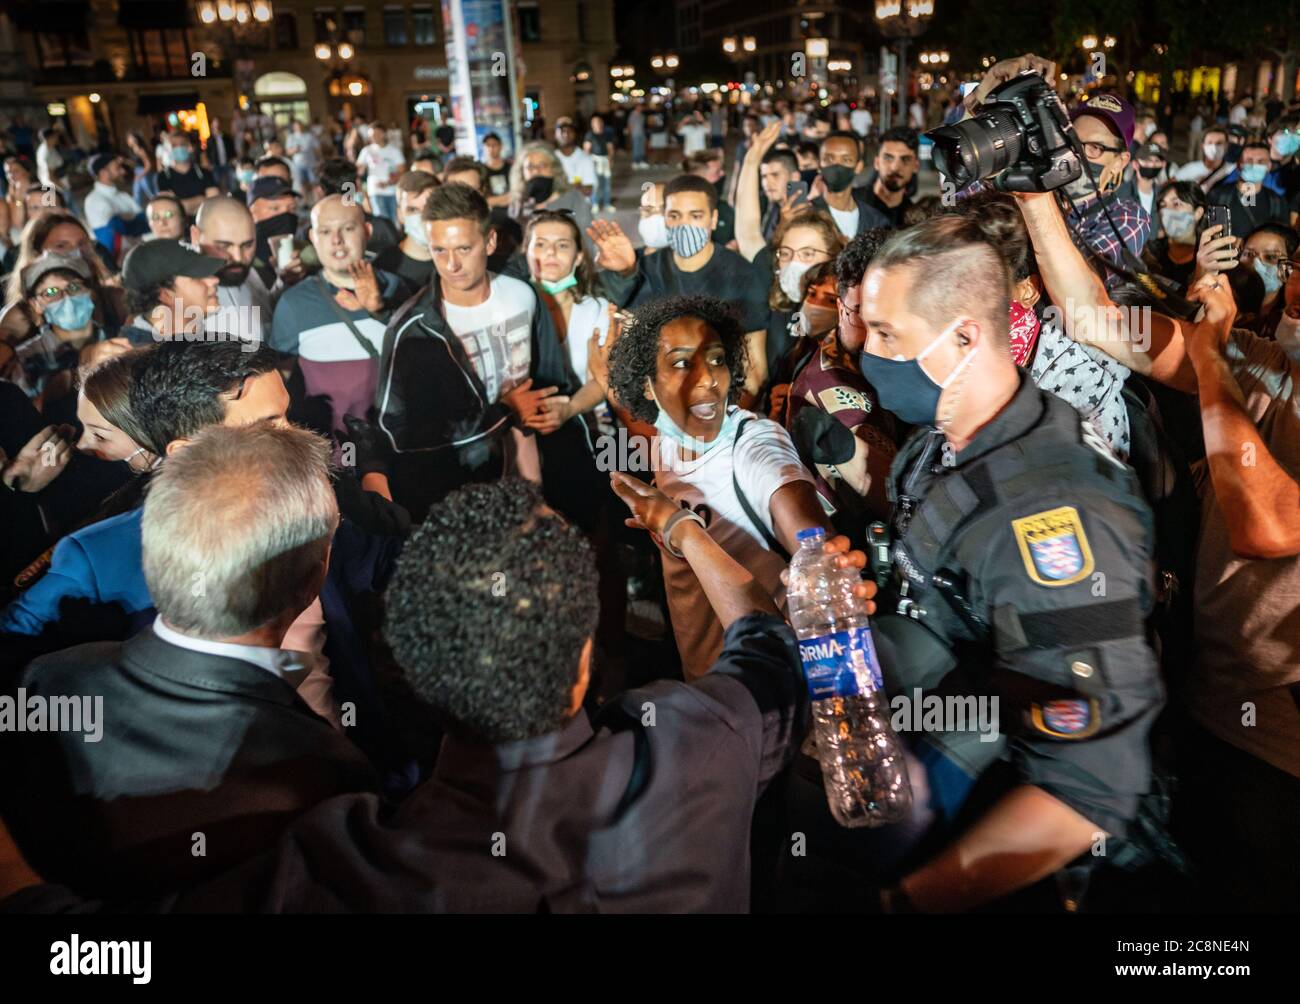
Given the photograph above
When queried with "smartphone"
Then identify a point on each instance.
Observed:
(1219, 215)
(797, 190)
(283, 245)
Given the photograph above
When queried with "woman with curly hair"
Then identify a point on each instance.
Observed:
(680, 364)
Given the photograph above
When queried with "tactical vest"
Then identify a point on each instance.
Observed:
(937, 640)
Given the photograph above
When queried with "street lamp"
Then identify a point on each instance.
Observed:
(750, 44)
(903, 20)
(232, 12)
(729, 45)
(235, 22)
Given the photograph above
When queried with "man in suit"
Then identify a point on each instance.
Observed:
(220, 149)
(203, 750)
(96, 589)
(535, 805)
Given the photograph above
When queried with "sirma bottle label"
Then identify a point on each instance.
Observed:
(842, 664)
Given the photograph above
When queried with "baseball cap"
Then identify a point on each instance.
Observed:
(157, 262)
(101, 161)
(49, 262)
(1149, 150)
(1114, 111)
(269, 187)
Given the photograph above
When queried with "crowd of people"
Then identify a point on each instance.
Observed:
(389, 530)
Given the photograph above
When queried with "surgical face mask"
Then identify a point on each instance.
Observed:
(1179, 224)
(181, 154)
(1148, 130)
(72, 313)
(667, 427)
(1149, 173)
(1212, 151)
(837, 177)
(905, 388)
(653, 230)
(539, 189)
(413, 223)
(790, 277)
(1267, 272)
(1285, 144)
(1254, 174)
(247, 176)
(687, 239)
(560, 285)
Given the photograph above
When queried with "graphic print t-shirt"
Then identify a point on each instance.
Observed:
(497, 334)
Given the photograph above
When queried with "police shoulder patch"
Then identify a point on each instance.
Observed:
(1071, 718)
(1054, 547)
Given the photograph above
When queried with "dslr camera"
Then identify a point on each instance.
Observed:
(1021, 138)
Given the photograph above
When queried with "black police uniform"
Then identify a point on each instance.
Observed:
(1028, 557)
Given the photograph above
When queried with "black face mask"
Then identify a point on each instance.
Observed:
(275, 226)
(539, 189)
(837, 177)
(808, 177)
(234, 275)
(1149, 172)
(1234, 153)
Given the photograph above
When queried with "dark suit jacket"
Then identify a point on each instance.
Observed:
(191, 744)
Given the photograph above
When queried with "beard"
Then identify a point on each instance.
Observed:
(234, 275)
(892, 182)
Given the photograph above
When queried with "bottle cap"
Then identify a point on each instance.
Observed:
(808, 534)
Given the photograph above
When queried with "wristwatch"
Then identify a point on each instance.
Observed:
(671, 523)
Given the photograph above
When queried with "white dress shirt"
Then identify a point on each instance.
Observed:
(105, 201)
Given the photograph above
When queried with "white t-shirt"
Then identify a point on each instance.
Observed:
(380, 163)
(587, 316)
(1194, 171)
(48, 161)
(579, 167)
(847, 222)
(695, 137)
(765, 461)
(497, 334)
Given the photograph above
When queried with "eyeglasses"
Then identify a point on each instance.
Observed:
(163, 214)
(806, 256)
(53, 294)
(1094, 150)
(1273, 259)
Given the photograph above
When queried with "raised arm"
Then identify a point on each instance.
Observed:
(1089, 315)
(1260, 499)
(749, 223)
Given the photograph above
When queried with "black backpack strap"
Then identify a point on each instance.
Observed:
(768, 538)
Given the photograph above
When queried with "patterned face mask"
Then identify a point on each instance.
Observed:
(1024, 332)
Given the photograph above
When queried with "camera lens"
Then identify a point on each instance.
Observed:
(979, 147)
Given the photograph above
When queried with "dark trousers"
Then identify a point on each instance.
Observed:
(1238, 818)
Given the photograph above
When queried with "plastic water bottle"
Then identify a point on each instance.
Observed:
(862, 760)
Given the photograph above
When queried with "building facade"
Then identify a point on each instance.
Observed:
(110, 66)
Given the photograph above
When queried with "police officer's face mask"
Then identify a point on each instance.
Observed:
(903, 385)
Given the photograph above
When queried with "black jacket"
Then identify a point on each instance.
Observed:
(191, 743)
(432, 408)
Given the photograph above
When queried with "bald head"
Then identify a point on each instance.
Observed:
(223, 228)
(339, 232)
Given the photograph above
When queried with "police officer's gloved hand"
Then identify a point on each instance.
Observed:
(822, 437)
(368, 446)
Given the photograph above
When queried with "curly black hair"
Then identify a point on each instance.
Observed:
(634, 360)
(489, 609)
(851, 265)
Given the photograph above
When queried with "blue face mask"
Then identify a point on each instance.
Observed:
(72, 313)
(1267, 272)
(181, 154)
(1254, 174)
(905, 388)
(1286, 143)
(667, 427)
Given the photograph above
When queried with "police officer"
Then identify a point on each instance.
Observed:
(1021, 554)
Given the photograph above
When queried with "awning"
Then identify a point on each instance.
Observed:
(153, 14)
(51, 15)
(160, 104)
